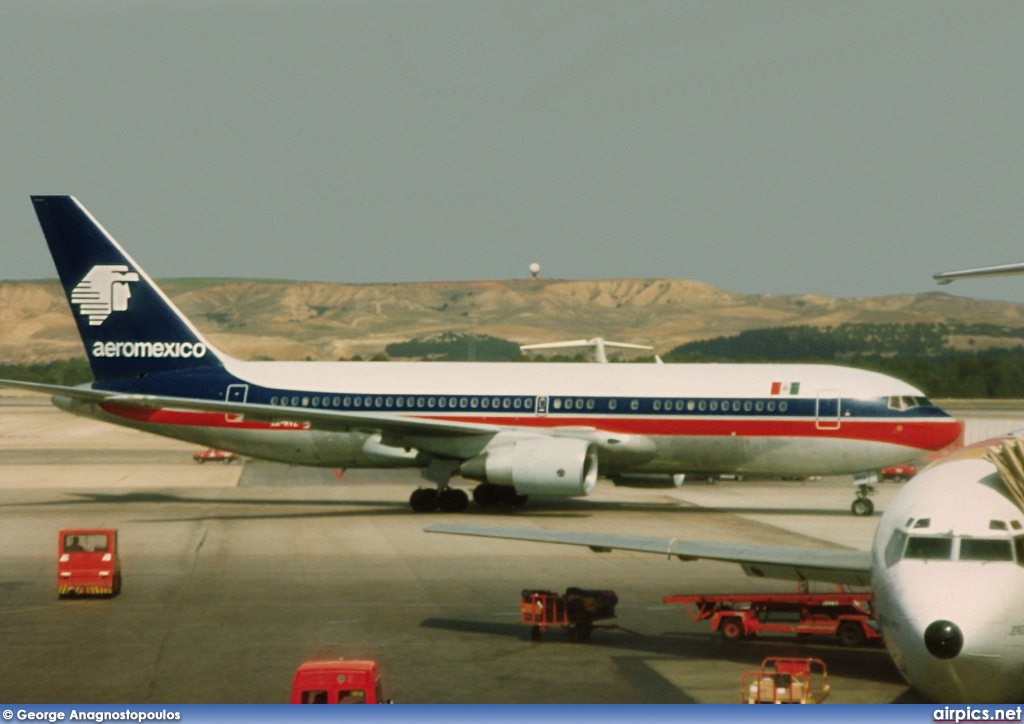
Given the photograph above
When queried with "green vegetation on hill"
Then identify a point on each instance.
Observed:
(920, 354)
(60, 372)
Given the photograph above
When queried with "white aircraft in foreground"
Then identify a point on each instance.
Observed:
(521, 429)
(946, 567)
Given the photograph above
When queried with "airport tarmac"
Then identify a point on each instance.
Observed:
(235, 574)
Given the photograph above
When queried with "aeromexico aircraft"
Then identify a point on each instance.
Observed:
(521, 429)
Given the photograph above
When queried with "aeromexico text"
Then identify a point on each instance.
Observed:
(148, 349)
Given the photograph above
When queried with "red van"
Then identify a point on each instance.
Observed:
(337, 682)
(87, 563)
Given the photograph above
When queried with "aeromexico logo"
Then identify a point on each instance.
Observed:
(102, 291)
(149, 349)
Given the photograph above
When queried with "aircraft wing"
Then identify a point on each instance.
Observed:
(321, 418)
(984, 271)
(789, 563)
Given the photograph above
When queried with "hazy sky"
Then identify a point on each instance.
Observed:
(789, 147)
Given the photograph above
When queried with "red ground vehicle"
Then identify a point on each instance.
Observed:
(785, 681)
(213, 455)
(898, 473)
(844, 615)
(575, 612)
(87, 564)
(337, 682)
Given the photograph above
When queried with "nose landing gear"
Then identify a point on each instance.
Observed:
(865, 487)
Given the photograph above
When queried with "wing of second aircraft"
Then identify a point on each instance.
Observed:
(789, 563)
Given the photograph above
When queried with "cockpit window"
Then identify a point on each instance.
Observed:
(1018, 545)
(907, 402)
(929, 548)
(894, 548)
(923, 523)
(985, 549)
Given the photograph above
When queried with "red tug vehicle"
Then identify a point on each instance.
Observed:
(844, 615)
(87, 564)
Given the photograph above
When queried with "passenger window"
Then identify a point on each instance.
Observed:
(420, 402)
(430, 402)
(929, 548)
(759, 405)
(657, 405)
(517, 403)
(485, 402)
(634, 405)
(379, 402)
(305, 402)
(316, 402)
(783, 406)
(528, 403)
(555, 404)
(568, 403)
(679, 405)
(389, 401)
(985, 549)
(894, 548)
(612, 404)
(337, 402)
(273, 400)
(399, 402)
(590, 404)
(411, 402)
(463, 403)
(748, 406)
(452, 402)
(506, 403)
(358, 402)
(714, 405)
(668, 405)
(736, 406)
(690, 405)
(702, 405)
(771, 406)
(441, 402)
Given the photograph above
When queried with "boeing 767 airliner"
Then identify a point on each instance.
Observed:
(519, 429)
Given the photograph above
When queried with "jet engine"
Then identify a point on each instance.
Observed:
(544, 466)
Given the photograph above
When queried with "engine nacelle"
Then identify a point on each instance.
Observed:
(543, 466)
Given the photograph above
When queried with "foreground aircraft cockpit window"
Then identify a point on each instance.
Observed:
(986, 549)
(942, 548)
(929, 548)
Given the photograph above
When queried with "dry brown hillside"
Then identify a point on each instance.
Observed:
(299, 320)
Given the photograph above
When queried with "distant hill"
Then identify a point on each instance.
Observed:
(305, 320)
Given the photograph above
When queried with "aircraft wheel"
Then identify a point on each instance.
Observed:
(862, 506)
(850, 634)
(423, 500)
(116, 588)
(510, 498)
(486, 494)
(452, 500)
(732, 628)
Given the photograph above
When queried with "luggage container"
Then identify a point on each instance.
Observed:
(575, 612)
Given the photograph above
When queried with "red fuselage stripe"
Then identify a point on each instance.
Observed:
(923, 434)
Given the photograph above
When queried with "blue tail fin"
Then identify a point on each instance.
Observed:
(129, 328)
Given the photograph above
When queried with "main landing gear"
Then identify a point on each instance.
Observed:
(453, 500)
(447, 500)
(862, 505)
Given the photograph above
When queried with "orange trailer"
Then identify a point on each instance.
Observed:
(87, 563)
(575, 612)
(785, 681)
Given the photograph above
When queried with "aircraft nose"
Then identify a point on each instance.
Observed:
(943, 639)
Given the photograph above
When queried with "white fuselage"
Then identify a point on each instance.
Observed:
(948, 561)
(757, 418)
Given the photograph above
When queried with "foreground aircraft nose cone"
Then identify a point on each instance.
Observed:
(943, 639)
